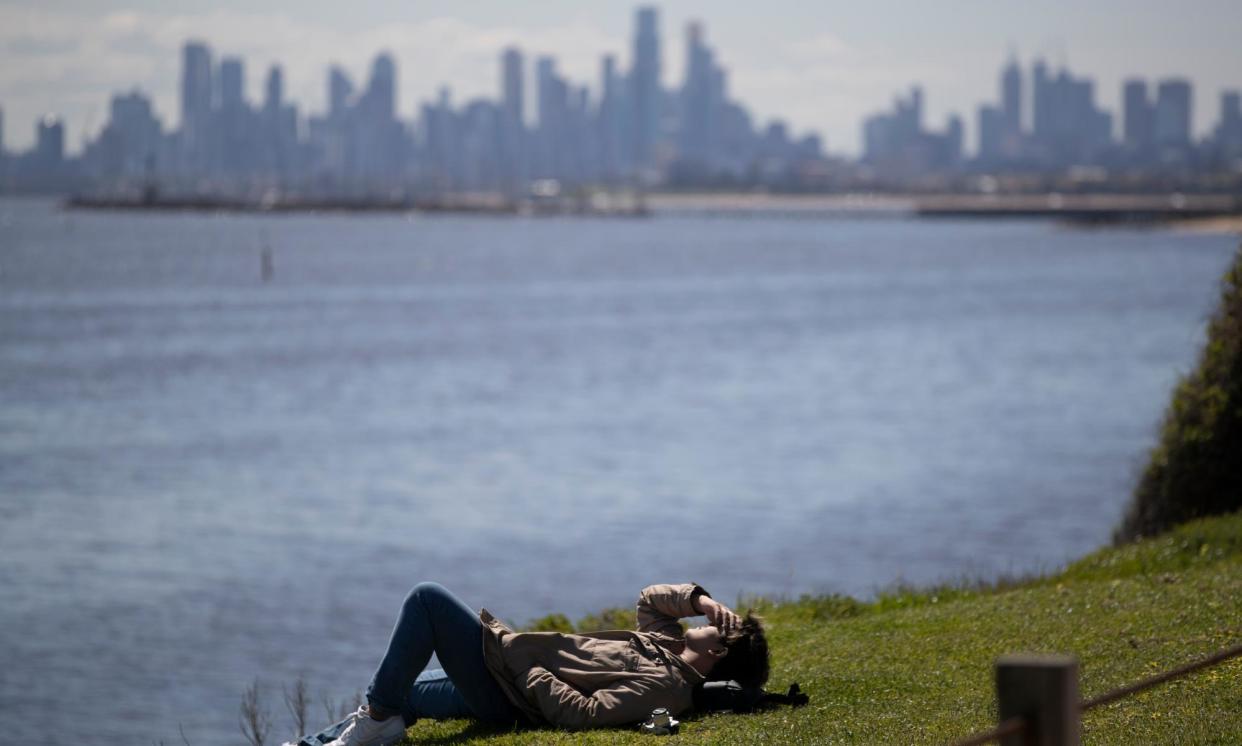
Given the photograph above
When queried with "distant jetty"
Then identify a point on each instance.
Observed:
(606, 204)
(1075, 208)
(1082, 208)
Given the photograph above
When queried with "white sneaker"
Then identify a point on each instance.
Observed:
(366, 731)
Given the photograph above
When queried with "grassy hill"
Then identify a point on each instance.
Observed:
(916, 666)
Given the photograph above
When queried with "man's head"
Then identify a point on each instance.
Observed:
(741, 655)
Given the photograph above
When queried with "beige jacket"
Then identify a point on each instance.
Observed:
(601, 678)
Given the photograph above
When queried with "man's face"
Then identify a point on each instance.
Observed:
(705, 640)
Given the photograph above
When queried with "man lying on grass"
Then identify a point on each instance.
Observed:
(495, 675)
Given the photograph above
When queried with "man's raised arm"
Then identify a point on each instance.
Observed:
(660, 606)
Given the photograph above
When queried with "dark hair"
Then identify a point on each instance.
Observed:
(747, 661)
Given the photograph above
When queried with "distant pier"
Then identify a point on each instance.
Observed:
(588, 203)
(1073, 208)
(1082, 208)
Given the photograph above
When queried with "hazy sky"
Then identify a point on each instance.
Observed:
(822, 65)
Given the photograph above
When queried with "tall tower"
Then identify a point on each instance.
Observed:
(274, 90)
(512, 92)
(645, 84)
(698, 99)
(610, 127)
(1011, 97)
(340, 90)
(1139, 125)
(232, 83)
(196, 101)
(1042, 113)
(382, 88)
(512, 115)
(552, 94)
(50, 140)
(1173, 112)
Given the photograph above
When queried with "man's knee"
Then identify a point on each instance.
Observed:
(424, 592)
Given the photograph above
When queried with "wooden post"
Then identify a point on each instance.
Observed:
(1044, 690)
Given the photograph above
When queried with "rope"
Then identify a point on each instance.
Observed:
(1135, 688)
(1018, 724)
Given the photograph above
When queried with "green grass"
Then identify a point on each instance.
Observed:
(916, 666)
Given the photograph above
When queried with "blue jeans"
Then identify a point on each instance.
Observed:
(432, 620)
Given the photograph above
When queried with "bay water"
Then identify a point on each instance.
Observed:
(208, 478)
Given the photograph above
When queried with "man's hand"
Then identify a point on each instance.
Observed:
(718, 615)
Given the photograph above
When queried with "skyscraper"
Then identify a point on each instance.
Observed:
(512, 94)
(553, 99)
(340, 91)
(512, 115)
(610, 118)
(1229, 130)
(279, 122)
(232, 83)
(128, 146)
(953, 139)
(274, 90)
(699, 107)
(1172, 126)
(992, 124)
(511, 131)
(1011, 98)
(232, 136)
(1139, 115)
(381, 95)
(50, 141)
(196, 102)
(645, 85)
(1230, 109)
(1041, 102)
(378, 136)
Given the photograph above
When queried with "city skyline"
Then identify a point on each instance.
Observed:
(842, 62)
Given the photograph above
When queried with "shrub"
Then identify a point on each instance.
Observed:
(1196, 468)
(550, 623)
(616, 618)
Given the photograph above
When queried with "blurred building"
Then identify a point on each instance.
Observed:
(232, 142)
(196, 107)
(897, 147)
(1228, 134)
(512, 124)
(611, 121)
(1139, 116)
(1173, 113)
(130, 149)
(340, 92)
(626, 129)
(1002, 138)
(50, 141)
(699, 100)
(44, 168)
(279, 154)
(645, 90)
(1011, 100)
(1069, 129)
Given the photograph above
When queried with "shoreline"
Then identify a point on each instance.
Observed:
(1204, 214)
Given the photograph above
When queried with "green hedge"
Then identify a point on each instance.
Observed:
(1196, 468)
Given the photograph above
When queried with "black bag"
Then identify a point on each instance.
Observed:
(730, 696)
